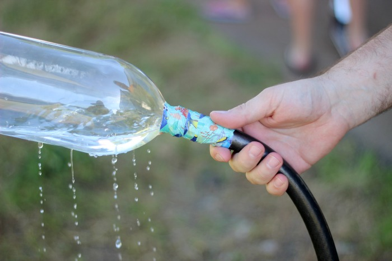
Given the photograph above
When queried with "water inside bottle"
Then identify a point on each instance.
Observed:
(75, 98)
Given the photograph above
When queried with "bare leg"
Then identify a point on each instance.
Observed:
(300, 51)
(357, 34)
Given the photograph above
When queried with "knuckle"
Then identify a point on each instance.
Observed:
(241, 163)
(262, 174)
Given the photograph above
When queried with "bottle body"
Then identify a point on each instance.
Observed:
(75, 98)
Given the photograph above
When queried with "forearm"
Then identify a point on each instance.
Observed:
(360, 86)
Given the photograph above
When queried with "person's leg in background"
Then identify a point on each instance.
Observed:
(356, 29)
(298, 56)
(348, 30)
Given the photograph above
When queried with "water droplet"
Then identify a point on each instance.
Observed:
(135, 175)
(40, 145)
(69, 164)
(76, 223)
(149, 162)
(40, 188)
(42, 224)
(148, 168)
(148, 151)
(118, 217)
(43, 236)
(75, 206)
(41, 211)
(40, 173)
(39, 166)
(136, 199)
(79, 255)
(149, 219)
(114, 160)
(150, 186)
(72, 214)
(152, 230)
(115, 195)
(44, 249)
(5, 98)
(152, 193)
(138, 222)
(76, 238)
(118, 243)
(70, 186)
(115, 186)
(136, 187)
(154, 249)
(139, 243)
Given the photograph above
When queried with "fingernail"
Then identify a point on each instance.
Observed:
(219, 112)
(278, 182)
(255, 152)
(273, 162)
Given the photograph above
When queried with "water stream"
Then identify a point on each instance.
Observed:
(42, 199)
(74, 214)
(141, 220)
(116, 226)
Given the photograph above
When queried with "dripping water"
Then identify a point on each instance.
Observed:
(74, 214)
(137, 199)
(116, 227)
(151, 194)
(42, 199)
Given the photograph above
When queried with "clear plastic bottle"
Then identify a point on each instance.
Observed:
(70, 97)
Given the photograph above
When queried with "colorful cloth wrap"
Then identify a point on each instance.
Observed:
(181, 122)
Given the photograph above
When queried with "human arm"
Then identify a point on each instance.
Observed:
(305, 119)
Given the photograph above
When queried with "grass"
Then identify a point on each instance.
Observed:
(199, 210)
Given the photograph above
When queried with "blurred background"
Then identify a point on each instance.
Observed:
(176, 203)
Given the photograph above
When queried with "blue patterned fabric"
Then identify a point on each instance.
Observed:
(182, 122)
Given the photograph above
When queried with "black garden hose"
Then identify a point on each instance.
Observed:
(303, 199)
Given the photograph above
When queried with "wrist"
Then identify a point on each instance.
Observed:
(350, 97)
(360, 86)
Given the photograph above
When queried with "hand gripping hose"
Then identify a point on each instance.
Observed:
(181, 122)
(304, 201)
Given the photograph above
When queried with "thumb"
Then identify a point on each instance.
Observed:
(249, 112)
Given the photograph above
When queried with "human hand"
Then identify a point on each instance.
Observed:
(296, 119)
